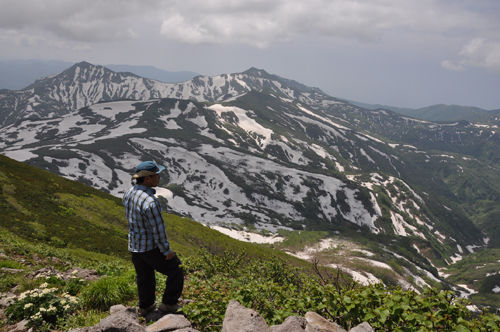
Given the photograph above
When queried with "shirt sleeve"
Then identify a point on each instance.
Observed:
(158, 226)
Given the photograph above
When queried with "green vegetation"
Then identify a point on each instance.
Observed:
(48, 221)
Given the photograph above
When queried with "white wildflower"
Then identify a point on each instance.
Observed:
(66, 307)
(44, 285)
(28, 305)
(52, 309)
(42, 310)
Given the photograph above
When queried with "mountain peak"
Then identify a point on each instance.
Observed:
(256, 72)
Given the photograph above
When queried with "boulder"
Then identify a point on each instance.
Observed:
(291, 324)
(363, 327)
(169, 323)
(241, 319)
(21, 326)
(316, 323)
(121, 321)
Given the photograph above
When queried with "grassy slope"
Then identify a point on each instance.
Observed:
(47, 220)
(40, 206)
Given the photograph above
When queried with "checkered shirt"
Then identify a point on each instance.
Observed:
(145, 223)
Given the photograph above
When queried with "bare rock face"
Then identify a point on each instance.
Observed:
(169, 323)
(241, 319)
(291, 324)
(316, 323)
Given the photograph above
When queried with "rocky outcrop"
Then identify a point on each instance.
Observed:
(241, 319)
(237, 319)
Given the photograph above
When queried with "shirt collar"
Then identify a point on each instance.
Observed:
(145, 188)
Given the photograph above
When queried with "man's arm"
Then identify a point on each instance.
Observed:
(158, 226)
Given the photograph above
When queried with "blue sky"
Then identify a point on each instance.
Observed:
(404, 53)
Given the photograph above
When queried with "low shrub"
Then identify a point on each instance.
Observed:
(106, 292)
(42, 307)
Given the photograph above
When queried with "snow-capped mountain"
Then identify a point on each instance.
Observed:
(256, 149)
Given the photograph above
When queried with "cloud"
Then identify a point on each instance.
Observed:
(78, 21)
(450, 65)
(260, 23)
(478, 52)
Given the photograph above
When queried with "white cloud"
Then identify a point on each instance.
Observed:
(478, 52)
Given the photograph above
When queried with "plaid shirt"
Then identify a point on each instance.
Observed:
(145, 223)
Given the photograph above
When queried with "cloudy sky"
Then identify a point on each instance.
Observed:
(408, 53)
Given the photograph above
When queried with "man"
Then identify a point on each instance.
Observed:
(147, 241)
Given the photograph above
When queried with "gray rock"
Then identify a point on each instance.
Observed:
(169, 323)
(116, 308)
(363, 327)
(316, 323)
(187, 329)
(121, 321)
(291, 324)
(22, 326)
(10, 270)
(6, 299)
(95, 328)
(241, 319)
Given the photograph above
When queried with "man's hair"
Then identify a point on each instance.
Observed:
(138, 180)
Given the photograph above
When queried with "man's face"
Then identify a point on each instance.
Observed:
(152, 180)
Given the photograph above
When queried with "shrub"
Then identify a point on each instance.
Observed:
(106, 292)
(42, 307)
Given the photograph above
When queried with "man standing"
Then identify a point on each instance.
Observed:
(147, 241)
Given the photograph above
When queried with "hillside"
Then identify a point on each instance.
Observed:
(55, 225)
(394, 200)
(442, 113)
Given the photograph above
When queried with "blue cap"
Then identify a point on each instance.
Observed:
(147, 168)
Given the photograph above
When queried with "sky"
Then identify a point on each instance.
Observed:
(406, 53)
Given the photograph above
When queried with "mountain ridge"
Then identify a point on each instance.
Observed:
(325, 160)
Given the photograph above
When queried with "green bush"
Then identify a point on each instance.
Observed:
(42, 307)
(277, 290)
(106, 292)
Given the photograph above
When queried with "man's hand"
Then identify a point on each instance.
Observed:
(170, 255)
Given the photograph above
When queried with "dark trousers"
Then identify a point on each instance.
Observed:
(145, 264)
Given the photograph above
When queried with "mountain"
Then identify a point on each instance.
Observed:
(266, 152)
(18, 74)
(442, 113)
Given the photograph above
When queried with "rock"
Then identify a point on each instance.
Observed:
(187, 329)
(169, 323)
(87, 329)
(363, 327)
(316, 323)
(84, 274)
(116, 308)
(6, 299)
(241, 319)
(75, 272)
(22, 326)
(10, 270)
(120, 307)
(291, 324)
(121, 321)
